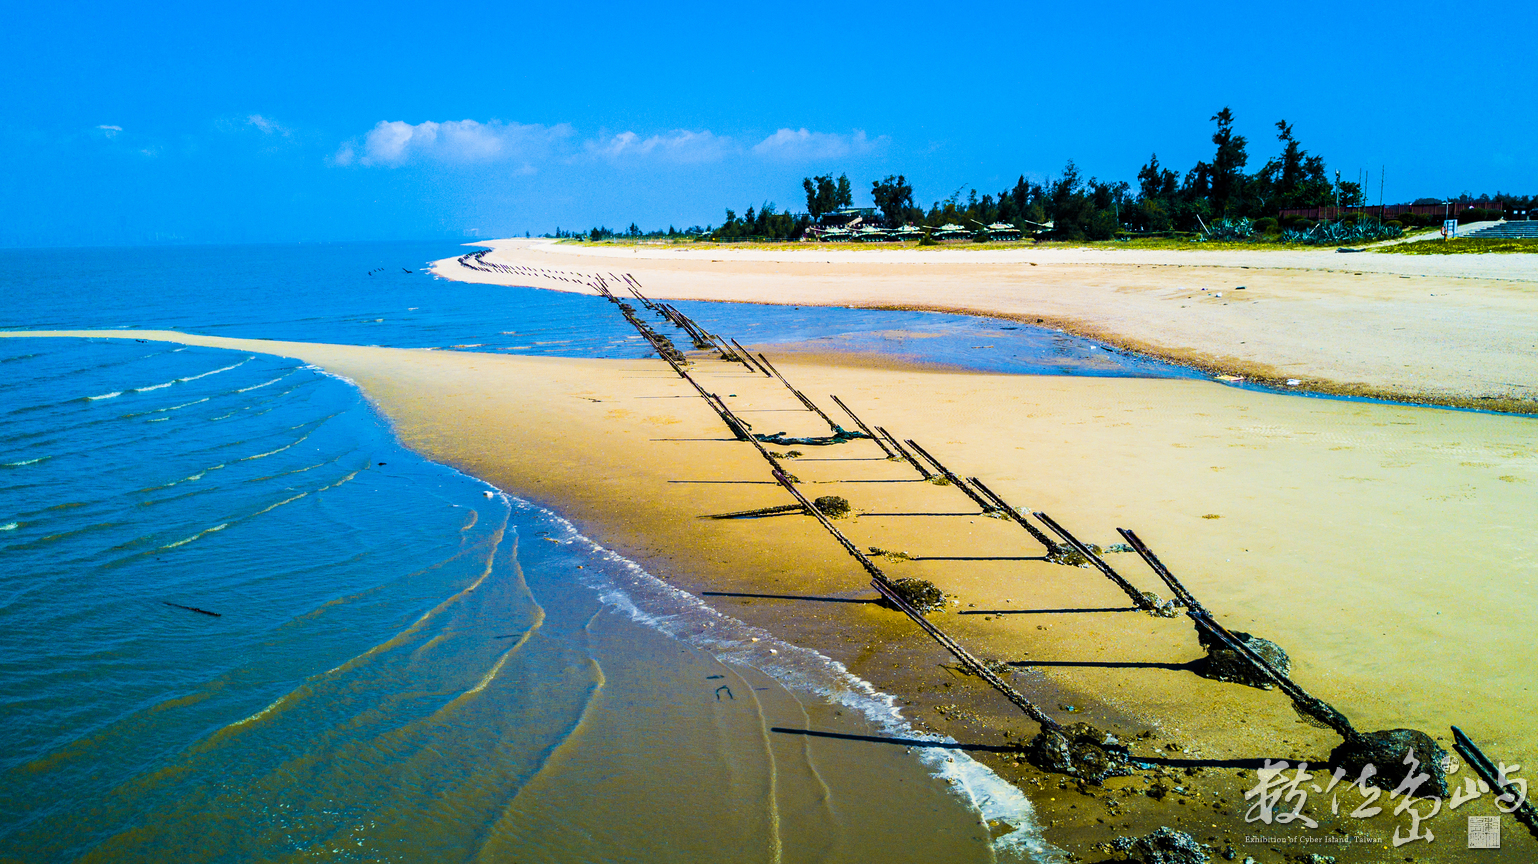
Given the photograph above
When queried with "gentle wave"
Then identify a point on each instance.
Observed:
(26, 462)
(204, 532)
(217, 371)
(187, 378)
(685, 617)
(10, 526)
(261, 385)
(113, 395)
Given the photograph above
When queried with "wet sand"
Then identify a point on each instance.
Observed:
(1387, 548)
(1433, 329)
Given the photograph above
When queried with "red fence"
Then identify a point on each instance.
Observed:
(1388, 211)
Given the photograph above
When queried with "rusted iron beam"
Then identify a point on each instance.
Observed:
(1526, 813)
(1306, 703)
(762, 511)
(988, 506)
(809, 404)
(749, 354)
(1014, 514)
(888, 590)
(907, 457)
(863, 428)
(1141, 601)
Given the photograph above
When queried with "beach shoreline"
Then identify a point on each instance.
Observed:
(1322, 502)
(1423, 331)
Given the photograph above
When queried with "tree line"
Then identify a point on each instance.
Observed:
(1163, 200)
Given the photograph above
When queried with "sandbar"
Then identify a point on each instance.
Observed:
(1457, 330)
(1388, 548)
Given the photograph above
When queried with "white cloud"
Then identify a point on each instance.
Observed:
(268, 126)
(393, 142)
(110, 131)
(801, 145)
(679, 145)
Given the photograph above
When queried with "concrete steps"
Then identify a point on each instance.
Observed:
(1527, 229)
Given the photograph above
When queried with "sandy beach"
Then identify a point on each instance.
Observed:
(1387, 548)
(1453, 330)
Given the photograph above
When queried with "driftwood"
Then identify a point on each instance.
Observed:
(193, 609)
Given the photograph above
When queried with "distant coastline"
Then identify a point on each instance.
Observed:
(1436, 330)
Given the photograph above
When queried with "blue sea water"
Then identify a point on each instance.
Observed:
(238, 621)
(378, 294)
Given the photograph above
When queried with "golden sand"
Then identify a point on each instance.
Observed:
(1416, 328)
(1388, 549)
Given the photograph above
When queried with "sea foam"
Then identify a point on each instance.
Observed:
(654, 603)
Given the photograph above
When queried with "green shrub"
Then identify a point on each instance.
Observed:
(1265, 225)
(1394, 223)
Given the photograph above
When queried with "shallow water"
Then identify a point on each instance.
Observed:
(377, 294)
(399, 666)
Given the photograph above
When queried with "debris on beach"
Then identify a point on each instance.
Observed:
(921, 594)
(193, 609)
(1068, 556)
(1225, 664)
(778, 510)
(1399, 755)
(780, 438)
(832, 506)
(1164, 846)
(1079, 750)
(888, 553)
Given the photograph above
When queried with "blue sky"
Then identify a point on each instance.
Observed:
(176, 122)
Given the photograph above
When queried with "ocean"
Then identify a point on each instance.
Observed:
(238, 621)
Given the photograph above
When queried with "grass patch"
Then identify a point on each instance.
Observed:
(1464, 246)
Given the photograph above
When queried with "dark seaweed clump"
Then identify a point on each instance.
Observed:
(832, 506)
(921, 594)
(1068, 556)
(1387, 752)
(1164, 846)
(1225, 664)
(1079, 750)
